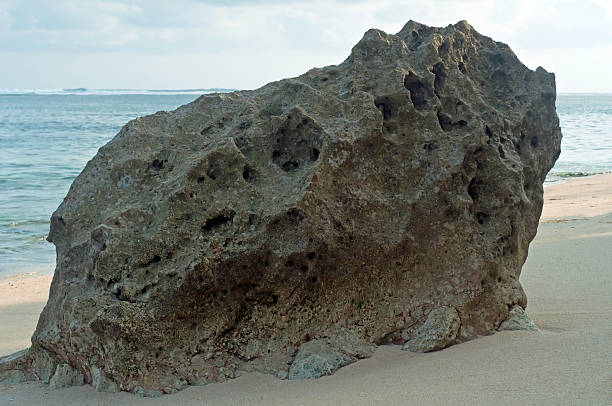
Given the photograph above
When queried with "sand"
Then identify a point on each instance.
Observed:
(568, 280)
(22, 298)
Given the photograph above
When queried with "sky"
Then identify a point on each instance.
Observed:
(190, 44)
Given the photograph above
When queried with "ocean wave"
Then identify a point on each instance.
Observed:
(573, 174)
(109, 92)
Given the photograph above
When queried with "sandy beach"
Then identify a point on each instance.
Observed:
(568, 280)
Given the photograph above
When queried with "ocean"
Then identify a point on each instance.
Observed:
(47, 137)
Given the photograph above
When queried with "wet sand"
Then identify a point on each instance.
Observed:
(568, 280)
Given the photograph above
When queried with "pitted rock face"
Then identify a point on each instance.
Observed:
(344, 205)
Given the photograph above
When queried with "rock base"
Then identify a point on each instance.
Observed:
(518, 320)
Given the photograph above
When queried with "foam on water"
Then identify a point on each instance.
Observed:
(48, 135)
(586, 123)
(108, 92)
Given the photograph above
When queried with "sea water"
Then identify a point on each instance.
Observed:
(47, 137)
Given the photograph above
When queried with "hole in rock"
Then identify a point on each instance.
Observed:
(385, 106)
(440, 71)
(535, 141)
(158, 164)
(248, 174)
(152, 261)
(417, 90)
(290, 165)
(474, 189)
(213, 171)
(295, 215)
(482, 217)
(219, 220)
(429, 146)
(298, 141)
(461, 67)
(314, 154)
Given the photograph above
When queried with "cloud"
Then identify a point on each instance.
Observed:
(291, 34)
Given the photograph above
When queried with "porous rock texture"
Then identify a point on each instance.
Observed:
(344, 206)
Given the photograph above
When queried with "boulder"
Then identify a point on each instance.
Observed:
(357, 204)
(66, 376)
(315, 359)
(438, 332)
(518, 320)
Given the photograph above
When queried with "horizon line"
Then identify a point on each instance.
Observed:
(127, 91)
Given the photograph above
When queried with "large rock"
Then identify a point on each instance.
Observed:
(346, 204)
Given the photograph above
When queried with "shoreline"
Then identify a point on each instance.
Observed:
(568, 283)
(22, 298)
(582, 197)
(31, 287)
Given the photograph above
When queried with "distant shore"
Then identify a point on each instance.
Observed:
(568, 283)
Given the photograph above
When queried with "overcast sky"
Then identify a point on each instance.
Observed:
(178, 44)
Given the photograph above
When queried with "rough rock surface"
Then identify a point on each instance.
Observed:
(315, 359)
(439, 331)
(66, 376)
(346, 204)
(518, 320)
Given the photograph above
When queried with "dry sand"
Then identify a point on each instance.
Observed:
(22, 298)
(568, 279)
